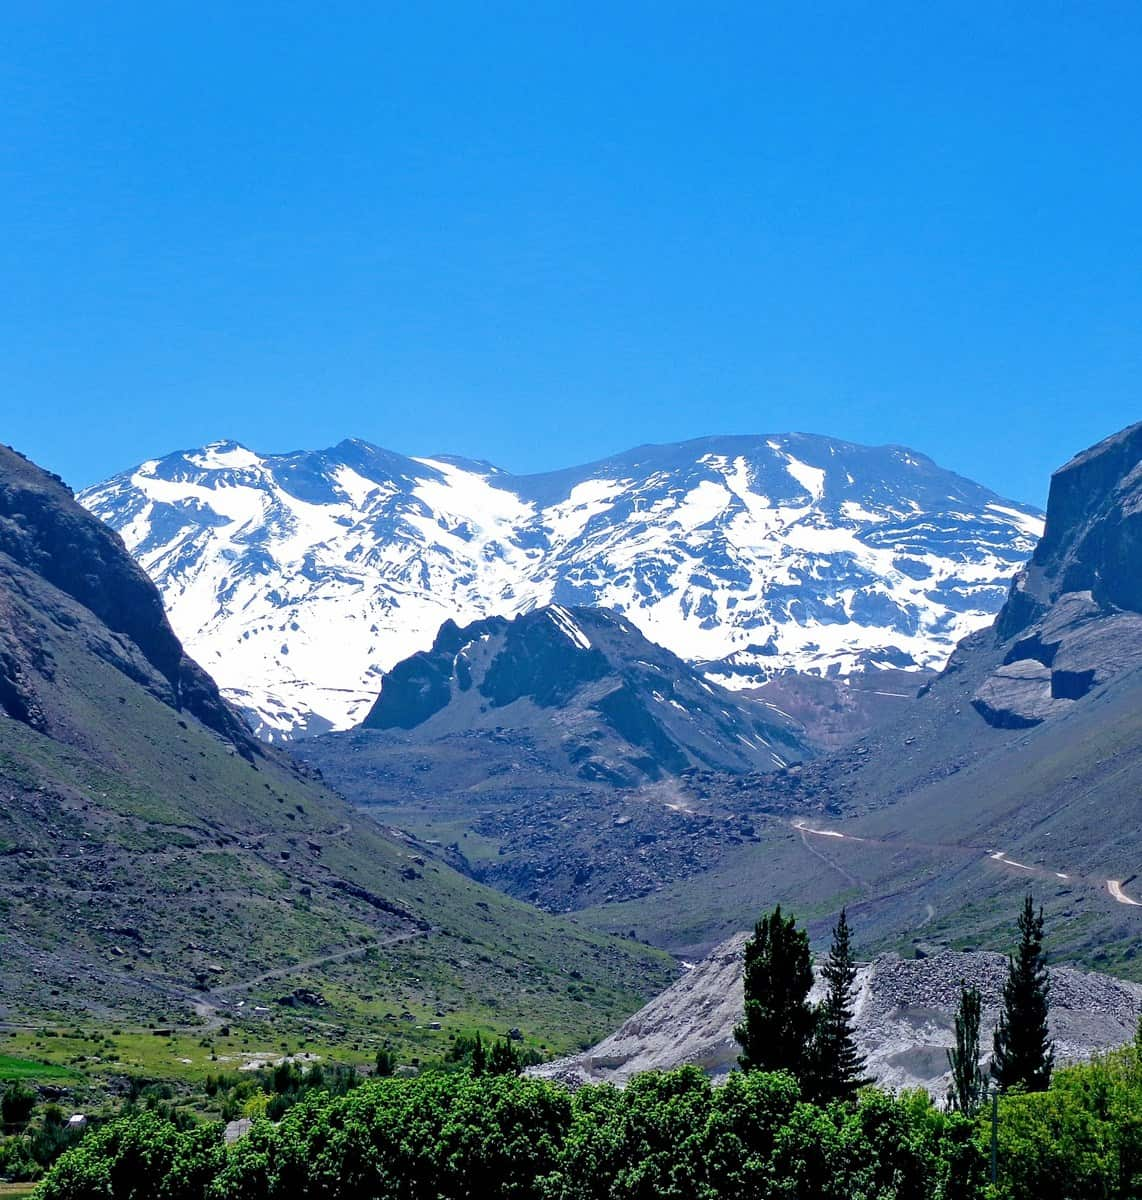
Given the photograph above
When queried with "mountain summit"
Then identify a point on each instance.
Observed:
(299, 579)
(621, 708)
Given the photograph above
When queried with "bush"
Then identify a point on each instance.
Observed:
(447, 1135)
(1082, 1137)
(17, 1104)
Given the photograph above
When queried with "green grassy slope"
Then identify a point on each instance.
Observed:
(156, 870)
(135, 875)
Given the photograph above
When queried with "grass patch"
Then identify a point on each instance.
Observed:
(27, 1068)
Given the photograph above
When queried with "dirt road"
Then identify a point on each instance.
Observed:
(1113, 886)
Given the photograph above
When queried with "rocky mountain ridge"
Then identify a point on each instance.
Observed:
(1074, 616)
(159, 866)
(924, 799)
(299, 579)
(45, 535)
(622, 709)
(929, 824)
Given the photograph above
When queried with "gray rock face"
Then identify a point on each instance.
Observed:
(1018, 695)
(48, 541)
(904, 1019)
(619, 707)
(1073, 617)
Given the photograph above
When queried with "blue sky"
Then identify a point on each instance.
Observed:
(542, 233)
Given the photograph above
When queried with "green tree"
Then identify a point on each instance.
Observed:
(386, 1063)
(479, 1056)
(837, 1066)
(16, 1104)
(969, 1085)
(504, 1059)
(777, 1032)
(1024, 1055)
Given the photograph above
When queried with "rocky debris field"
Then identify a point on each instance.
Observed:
(904, 1018)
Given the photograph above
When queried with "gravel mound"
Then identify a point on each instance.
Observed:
(904, 1019)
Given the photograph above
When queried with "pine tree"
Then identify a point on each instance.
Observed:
(504, 1059)
(779, 1021)
(969, 1085)
(837, 1065)
(1024, 1054)
(479, 1056)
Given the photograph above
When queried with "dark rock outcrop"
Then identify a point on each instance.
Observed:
(620, 708)
(1074, 615)
(45, 533)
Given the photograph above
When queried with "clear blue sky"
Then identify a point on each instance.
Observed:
(542, 233)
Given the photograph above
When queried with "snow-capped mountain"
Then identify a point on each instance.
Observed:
(298, 579)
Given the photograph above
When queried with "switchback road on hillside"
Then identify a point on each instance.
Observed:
(1113, 886)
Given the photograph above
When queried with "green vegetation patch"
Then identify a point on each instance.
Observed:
(27, 1068)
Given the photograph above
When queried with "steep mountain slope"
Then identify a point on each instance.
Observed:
(522, 744)
(545, 751)
(621, 708)
(156, 862)
(1074, 617)
(930, 826)
(299, 579)
(46, 534)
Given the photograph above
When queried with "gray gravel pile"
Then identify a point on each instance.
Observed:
(904, 1019)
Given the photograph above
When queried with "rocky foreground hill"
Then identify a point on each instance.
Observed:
(904, 1018)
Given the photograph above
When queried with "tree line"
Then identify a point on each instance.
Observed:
(783, 1031)
(799, 1122)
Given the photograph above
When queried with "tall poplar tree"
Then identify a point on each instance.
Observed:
(968, 1086)
(837, 1065)
(1024, 1054)
(777, 1032)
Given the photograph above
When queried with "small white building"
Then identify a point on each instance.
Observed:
(237, 1129)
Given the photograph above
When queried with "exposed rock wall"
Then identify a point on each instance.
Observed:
(1073, 616)
(46, 533)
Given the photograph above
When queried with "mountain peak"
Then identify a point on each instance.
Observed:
(620, 707)
(299, 579)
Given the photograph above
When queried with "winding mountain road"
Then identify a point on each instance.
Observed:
(1113, 886)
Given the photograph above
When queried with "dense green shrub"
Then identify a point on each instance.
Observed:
(1082, 1137)
(16, 1104)
(666, 1136)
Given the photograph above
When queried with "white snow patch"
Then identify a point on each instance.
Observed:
(1024, 522)
(566, 622)
(812, 479)
(227, 456)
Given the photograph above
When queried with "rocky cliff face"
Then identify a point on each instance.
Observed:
(620, 708)
(1073, 619)
(903, 1018)
(46, 537)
